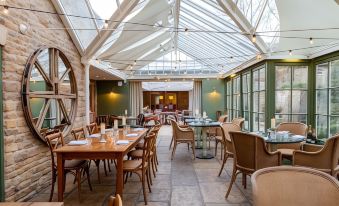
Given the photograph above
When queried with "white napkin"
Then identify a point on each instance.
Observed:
(78, 142)
(122, 142)
(132, 135)
(138, 129)
(298, 136)
(94, 135)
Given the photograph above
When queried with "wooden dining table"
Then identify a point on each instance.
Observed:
(95, 150)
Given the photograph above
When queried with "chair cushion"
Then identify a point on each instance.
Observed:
(286, 152)
(132, 164)
(218, 138)
(75, 163)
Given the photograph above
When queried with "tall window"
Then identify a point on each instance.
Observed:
(291, 93)
(327, 99)
(259, 91)
(236, 97)
(246, 97)
(229, 98)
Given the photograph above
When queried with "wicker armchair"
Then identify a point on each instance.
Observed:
(182, 135)
(325, 160)
(250, 155)
(294, 186)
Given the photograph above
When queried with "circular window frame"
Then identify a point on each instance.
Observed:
(26, 94)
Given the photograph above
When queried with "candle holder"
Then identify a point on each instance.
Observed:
(102, 138)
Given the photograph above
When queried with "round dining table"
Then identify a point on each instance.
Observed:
(287, 138)
(201, 132)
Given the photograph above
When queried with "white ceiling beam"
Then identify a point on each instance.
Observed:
(232, 10)
(176, 22)
(119, 15)
(58, 7)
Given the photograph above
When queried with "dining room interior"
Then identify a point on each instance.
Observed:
(169, 102)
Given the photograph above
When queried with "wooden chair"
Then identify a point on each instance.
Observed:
(75, 167)
(141, 167)
(94, 129)
(79, 134)
(294, 186)
(218, 114)
(182, 135)
(226, 141)
(295, 128)
(115, 201)
(140, 120)
(250, 155)
(180, 124)
(239, 121)
(103, 119)
(325, 160)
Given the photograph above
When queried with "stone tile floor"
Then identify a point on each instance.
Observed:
(181, 182)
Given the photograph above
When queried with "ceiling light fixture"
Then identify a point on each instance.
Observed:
(311, 40)
(186, 31)
(254, 38)
(106, 24)
(5, 10)
(290, 52)
(259, 56)
(135, 62)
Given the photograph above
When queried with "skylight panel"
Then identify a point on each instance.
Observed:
(103, 9)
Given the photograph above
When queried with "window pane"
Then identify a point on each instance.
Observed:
(246, 123)
(279, 118)
(282, 77)
(262, 122)
(321, 122)
(299, 118)
(262, 79)
(322, 76)
(245, 102)
(300, 77)
(256, 80)
(255, 102)
(334, 125)
(255, 122)
(282, 102)
(299, 101)
(321, 102)
(262, 102)
(334, 105)
(334, 73)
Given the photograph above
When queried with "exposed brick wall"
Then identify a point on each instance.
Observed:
(27, 159)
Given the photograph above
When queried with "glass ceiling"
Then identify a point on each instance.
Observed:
(213, 42)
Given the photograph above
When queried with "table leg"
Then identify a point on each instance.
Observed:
(204, 154)
(120, 175)
(61, 177)
(197, 134)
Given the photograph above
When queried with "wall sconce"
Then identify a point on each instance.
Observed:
(161, 97)
(170, 97)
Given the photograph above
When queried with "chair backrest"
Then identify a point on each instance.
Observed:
(186, 112)
(149, 142)
(239, 121)
(217, 114)
(115, 201)
(225, 129)
(54, 141)
(140, 119)
(293, 127)
(102, 119)
(222, 118)
(250, 151)
(60, 127)
(92, 128)
(294, 186)
(78, 133)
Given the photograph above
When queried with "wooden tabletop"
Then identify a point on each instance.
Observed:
(109, 146)
(31, 204)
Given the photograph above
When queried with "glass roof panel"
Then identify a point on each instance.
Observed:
(79, 16)
(103, 10)
(251, 9)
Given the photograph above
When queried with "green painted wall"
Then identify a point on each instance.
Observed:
(213, 98)
(112, 99)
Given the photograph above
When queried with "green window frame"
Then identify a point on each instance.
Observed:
(246, 99)
(291, 93)
(258, 97)
(236, 104)
(229, 99)
(327, 99)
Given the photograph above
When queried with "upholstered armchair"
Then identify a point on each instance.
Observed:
(326, 159)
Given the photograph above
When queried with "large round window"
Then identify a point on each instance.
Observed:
(49, 92)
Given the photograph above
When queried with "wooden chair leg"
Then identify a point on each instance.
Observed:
(174, 148)
(234, 175)
(216, 147)
(244, 181)
(78, 176)
(171, 144)
(105, 168)
(148, 181)
(97, 164)
(52, 187)
(108, 165)
(223, 163)
(88, 178)
(193, 149)
(143, 187)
